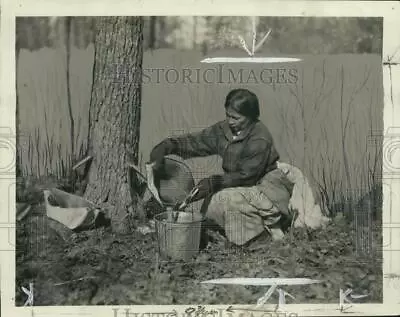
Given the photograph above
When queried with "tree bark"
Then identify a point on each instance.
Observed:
(115, 118)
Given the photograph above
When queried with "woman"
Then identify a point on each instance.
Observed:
(252, 195)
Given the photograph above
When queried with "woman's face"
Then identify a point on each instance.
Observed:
(237, 121)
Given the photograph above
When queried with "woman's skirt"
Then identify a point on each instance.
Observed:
(246, 212)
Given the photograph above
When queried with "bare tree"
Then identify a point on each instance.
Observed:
(195, 21)
(162, 31)
(68, 23)
(115, 113)
(152, 36)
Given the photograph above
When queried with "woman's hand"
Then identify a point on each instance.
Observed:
(204, 188)
(159, 151)
(207, 186)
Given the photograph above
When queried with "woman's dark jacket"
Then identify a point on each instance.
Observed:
(245, 159)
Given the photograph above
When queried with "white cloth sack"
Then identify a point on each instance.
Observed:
(74, 212)
(302, 200)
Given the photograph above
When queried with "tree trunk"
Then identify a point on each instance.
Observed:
(152, 37)
(194, 43)
(68, 82)
(115, 118)
(162, 32)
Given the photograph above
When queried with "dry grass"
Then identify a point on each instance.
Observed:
(321, 124)
(126, 270)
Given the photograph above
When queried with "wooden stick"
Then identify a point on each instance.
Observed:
(77, 280)
(262, 41)
(254, 35)
(21, 214)
(243, 43)
(80, 163)
(137, 170)
(176, 216)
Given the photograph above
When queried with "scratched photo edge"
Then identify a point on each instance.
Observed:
(9, 281)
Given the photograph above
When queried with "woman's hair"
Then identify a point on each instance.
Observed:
(244, 102)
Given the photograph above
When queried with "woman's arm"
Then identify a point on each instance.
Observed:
(203, 143)
(255, 161)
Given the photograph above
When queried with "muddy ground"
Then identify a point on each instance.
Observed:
(98, 267)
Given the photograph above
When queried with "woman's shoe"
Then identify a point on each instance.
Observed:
(276, 234)
(259, 242)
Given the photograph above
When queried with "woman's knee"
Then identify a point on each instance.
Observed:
(224, 195)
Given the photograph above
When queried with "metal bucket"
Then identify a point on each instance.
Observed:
(180, 239)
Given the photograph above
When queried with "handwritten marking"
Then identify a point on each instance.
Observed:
(264, 60)
(343, 299)
(29, 292)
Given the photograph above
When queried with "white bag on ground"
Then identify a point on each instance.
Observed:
(72, 211)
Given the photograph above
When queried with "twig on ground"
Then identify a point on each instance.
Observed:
(23, 212)
(76, 280)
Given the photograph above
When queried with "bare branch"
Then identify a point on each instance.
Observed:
(262, 41)
(244, 45)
